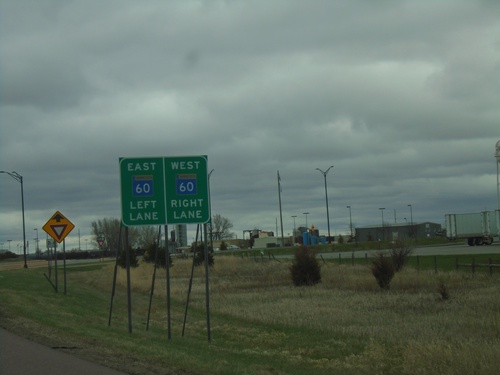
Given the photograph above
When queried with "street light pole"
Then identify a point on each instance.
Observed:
(37, 249)
(293, 233)
(382, 211)
(307, 228)
(324, 173)
(16, 176)
(411, 219)
(350, 219)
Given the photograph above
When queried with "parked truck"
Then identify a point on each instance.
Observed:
(478, 228)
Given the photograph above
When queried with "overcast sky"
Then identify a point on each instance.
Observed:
(401, 97)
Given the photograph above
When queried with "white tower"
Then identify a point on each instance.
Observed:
(181, 234)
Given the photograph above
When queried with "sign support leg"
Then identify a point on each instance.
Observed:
(191, 279)
(129, 294)
(154, 276)
(49, 261)
(114, 275)
(167, 266)
(55, 266)
(64, 265)
(207, 289)
(49, 257)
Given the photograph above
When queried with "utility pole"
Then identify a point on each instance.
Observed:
(281, 214)
(324, 173)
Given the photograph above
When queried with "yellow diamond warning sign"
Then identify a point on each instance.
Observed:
(58, 227)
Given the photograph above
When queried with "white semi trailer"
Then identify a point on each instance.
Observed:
(478, 228)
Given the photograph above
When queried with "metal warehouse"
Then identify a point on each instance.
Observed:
(392, 232)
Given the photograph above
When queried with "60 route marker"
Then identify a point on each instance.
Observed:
(170, 190)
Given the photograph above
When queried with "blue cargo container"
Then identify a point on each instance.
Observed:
(305, 238)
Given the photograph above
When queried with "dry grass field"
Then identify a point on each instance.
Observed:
(427, 323)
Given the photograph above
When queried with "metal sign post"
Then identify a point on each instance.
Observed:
(58, 227)
(162, 191)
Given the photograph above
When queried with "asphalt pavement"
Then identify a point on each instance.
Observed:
(19, 356)
(448, 249)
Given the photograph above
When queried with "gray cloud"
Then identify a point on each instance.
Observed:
(401, 97)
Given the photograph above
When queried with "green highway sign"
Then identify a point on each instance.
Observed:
(142, 191)
(187, 190)
(170, 190)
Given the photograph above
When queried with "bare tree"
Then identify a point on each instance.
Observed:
(109, 228)
(147, 235)
(220, 227)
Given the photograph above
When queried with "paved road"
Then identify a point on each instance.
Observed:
(19, 356)
(454, 249)
(457, 250)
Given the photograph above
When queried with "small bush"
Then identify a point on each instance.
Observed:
(149, 256)
(199, 255)
(305, 269)
(122, 260)
(383, 270)
(400, 253)
(442, 289)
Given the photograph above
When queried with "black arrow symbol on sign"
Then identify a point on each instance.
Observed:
(58, 218)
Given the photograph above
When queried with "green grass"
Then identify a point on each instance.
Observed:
(261, 324)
